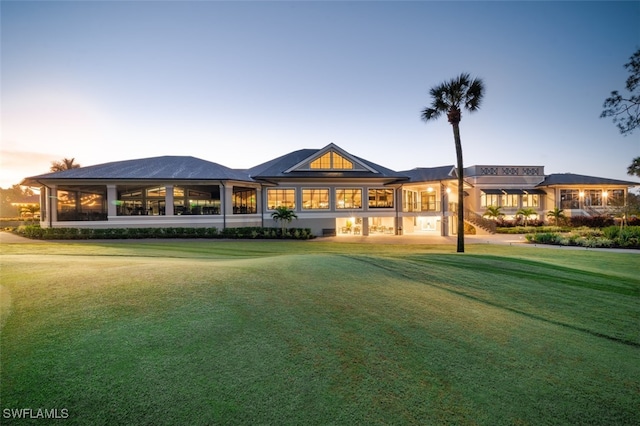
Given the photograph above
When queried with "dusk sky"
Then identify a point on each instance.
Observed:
(240, 83)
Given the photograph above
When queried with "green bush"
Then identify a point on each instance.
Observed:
(610, 237)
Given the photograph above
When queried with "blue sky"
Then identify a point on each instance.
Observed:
(240, 83)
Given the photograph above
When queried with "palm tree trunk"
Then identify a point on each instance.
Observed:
(458, 142)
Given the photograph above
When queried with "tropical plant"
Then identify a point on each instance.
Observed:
(634, 167)
(64, 164)
(556, 214)
(284, 215)
(526, 213)
(493, 212)
(448, 98)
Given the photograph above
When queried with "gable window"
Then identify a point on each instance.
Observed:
(349, 198)
(313, 199)
(281, 198)
(331, 161)
(381, 198)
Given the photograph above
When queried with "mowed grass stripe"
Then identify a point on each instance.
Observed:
(298, 339)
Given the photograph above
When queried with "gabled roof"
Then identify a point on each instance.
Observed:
(573, 179)
(424, 174)
(291, 166)
(166, 167)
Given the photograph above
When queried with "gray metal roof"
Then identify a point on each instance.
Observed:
(573, 179)
(166, 167)
(426, 174)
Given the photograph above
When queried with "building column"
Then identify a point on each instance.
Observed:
(227, 205)
(112, 201)
(168, 200)
(444, 209)
(53, 203)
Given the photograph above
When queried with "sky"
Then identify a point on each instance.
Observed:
(240, 83)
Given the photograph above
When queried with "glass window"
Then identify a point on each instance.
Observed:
(615, 197)
(487, 200)
(428, 201)
(381, 198)
(530, 200)
(244, 201)
(593, 197)
(331, 160)
(349, 198)
(315, 199)
(157, 192)
(281, 198)
(509, 200)
(569, 199)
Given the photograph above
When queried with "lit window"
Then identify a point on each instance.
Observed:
(281, 198)
(315, 199)
(331, 160)
(381, 198)
(349, 198)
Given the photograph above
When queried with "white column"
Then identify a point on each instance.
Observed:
(112, 201)
(227, 204)
(168, 200)
(53, 203)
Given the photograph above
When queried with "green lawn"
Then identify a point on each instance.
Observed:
(314, 333)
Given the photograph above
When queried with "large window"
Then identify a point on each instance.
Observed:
(281, 198)
(615, 197)
(331, 160)
(73, 205)
(569, 199)
(593, 197)
(196, 200)
(487, 200)
(381, 198)
(349, 198)
(410, 203)
(313, 199)
(244, 201)
(510, 200)
(531, 200)
(428, 201)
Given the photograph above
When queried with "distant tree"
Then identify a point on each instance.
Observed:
(493, 212)
(14, 194)
(64, 164)
(284, 215)
(526, 213)
(556, 214)
(448, 98)
(634, 168)
(626, 110)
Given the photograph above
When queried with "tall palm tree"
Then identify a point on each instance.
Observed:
(449, 98)
(64, 164)
(284, 215)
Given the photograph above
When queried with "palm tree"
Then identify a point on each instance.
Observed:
(64, 164)
(556, 214)
(284, 215)
(493, 212)
(526, 213)
(448, 98)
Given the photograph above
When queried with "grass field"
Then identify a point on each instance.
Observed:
(314, 333)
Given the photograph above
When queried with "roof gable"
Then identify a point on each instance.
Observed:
(330, 158)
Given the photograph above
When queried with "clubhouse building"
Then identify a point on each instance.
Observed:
(333, 192)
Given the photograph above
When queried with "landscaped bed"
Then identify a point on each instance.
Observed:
(289, 332)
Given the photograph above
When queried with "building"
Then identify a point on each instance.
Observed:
(332, 192)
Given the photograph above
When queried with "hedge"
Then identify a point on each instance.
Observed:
(38, 233)
(610, 237)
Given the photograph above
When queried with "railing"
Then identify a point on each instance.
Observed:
(479, 221)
